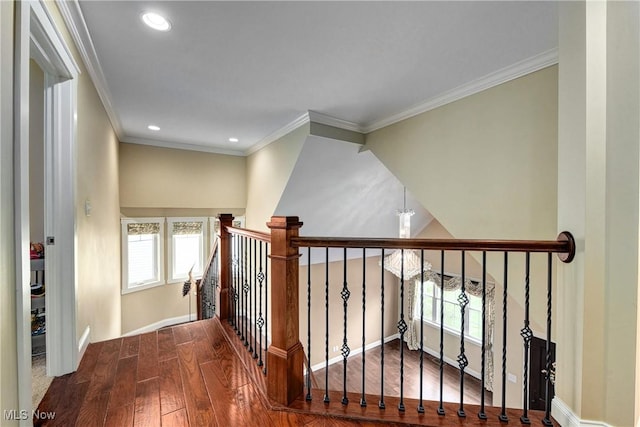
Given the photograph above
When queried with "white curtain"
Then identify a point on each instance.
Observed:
(414, 298)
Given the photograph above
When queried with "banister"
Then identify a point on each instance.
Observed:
(253, 234)
(564, 246)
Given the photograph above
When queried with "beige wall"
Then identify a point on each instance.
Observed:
(36, 152)
(354, 311)
(98, 238)
(268, 171)
(154, 177)
(8, 343)
(486, 167)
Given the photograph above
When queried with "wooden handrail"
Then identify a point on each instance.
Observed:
(564, 246)
(258, 235)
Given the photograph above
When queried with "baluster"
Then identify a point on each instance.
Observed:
(402, 328)
(345, 293)
(420, 405)
(255, 299)
(463, 300)
(441, 407)
(242, 311)
(526, 337)
(503, 415)
(363, 401)
(266, 299)
(260, 317)
(308, 398)
(381, 404)
(247, 296)
(236, 280)
(548, 364)
(481, 413)
(326, 326)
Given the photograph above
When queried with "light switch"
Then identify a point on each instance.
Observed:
(87, 207)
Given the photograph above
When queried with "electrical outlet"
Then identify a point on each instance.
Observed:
(336, 348)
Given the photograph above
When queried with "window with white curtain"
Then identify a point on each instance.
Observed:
(186, 241)
(142, 253)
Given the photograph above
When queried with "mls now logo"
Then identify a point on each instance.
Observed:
(16, 415)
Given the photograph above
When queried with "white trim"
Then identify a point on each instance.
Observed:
(496, 78)
(126, 287)
(180, 146)
(567, 418)
(316, 117)
(74, 19)
(295, 124)
(159, 324)
(84, 342)
(355, 352)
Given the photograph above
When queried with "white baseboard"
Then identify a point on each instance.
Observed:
(567, 418)
(355, 352)
(161, 324)
(454, 363)
(84, 342)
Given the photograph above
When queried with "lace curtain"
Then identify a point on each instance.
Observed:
(412, 336)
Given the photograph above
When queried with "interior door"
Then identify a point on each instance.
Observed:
(537, 378)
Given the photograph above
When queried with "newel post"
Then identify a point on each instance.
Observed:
(225, 264)
(285, 356)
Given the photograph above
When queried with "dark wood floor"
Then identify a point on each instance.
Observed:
(195, 375)
(411, 367)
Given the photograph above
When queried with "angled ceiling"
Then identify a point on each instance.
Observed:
(249, 69)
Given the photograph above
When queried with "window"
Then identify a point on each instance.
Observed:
(431, 296)
(142, 253)
(186, 247)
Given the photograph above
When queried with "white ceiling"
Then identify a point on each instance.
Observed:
(249, 69)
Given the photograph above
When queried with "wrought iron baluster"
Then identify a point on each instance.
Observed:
(308, 397)
(244, 288)
(526, 334)
(441, 407)
(236, 281)
(402, 328)
(481, 413)
(363, 401)
(548, 364)
(260, 317)
(326, 326)
(345, 294)
(420, 405)
(254, 279)
(463, 300)
(503, 414)
(381, 403)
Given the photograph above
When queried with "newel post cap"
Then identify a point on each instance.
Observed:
(284, 222)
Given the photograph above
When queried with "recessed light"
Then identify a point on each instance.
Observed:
(156, 21)
(233, 139)
(153, 127)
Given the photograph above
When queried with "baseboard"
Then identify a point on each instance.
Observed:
(354, 352)
(567, 418)
(84, 342)
(452, 362)
(161, 324)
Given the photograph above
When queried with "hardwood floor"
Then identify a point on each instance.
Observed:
(197, 374)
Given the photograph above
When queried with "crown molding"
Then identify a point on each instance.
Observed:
(496, 78)
(180, 146)
(316, 117)
(295, 124)
(74, 20)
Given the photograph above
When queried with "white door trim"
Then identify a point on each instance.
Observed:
(36, 37)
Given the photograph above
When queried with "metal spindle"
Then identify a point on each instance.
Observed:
(236, 280)
(503, 414)
(463, 300)
(345, 294)
(548, 364)
(253, 349)
(260, 318)
(245, 289)
(441, 407)
(402, 328)
(381, 404)
(420, 405)
(326, 326)
(481, 413)
(308, 397)
(526, 334)
(363, 401)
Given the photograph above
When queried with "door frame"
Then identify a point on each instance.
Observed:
(37, 38)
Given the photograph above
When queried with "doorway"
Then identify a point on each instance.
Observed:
(37, 39)
(537, 378)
